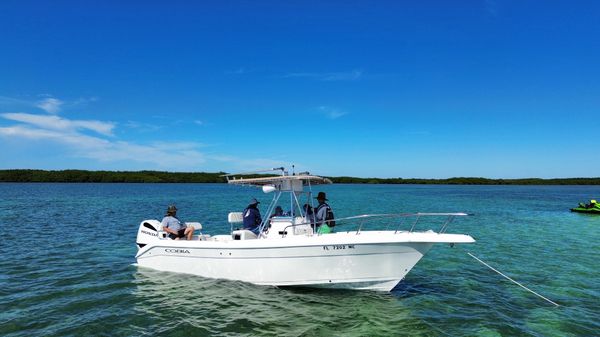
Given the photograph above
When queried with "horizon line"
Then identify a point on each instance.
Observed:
(327, 176)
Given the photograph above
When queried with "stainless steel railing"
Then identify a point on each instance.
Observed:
(364, 218)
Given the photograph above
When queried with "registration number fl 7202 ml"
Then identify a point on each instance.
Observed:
(338, 247)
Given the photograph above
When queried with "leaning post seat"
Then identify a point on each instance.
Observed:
(234, 218)
(197, 227)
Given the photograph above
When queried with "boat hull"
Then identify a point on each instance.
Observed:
(372, 266)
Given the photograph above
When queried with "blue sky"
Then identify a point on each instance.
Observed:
(428, 89)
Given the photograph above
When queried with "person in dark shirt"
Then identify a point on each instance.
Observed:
(252, 218)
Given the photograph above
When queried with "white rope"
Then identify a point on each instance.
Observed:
(517, 283)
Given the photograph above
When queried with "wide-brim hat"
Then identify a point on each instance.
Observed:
(321, 196)
(253, 202)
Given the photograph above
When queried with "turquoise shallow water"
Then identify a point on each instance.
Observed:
(67, 255)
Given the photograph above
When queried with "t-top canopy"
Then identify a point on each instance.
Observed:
(274, 180)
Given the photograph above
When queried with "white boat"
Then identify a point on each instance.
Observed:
(289, 252)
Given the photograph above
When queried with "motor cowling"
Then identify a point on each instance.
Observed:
(148, 232)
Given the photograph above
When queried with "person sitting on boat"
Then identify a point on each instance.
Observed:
(592, 204)
(278, 212)
(324, 215)
(176, 229)
(252, 219)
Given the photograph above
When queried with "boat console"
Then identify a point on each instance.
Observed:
(282, 226)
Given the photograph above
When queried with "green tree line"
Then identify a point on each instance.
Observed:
(83, 176)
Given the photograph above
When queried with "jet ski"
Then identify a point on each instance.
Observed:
(592, 208)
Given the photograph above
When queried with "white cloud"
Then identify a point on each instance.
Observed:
(333, 76)
(85, 100)
(177, 156)
(28, 132)
(95, 140)
(331, 112)
(45, 102)
(50, 105)
(52, 122)
(162, 155)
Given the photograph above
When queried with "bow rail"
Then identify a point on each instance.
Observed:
(402, 216)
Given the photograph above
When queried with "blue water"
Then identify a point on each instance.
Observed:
(67, 254)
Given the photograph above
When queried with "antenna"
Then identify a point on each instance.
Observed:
(293, 171)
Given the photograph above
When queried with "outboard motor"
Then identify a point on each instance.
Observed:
(148, 232)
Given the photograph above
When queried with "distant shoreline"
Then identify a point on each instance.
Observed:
(84, 176)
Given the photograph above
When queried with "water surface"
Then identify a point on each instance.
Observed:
(67, 255)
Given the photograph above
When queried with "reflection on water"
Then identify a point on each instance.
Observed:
(208, 306)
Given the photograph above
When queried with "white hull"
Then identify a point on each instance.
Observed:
(374, 260)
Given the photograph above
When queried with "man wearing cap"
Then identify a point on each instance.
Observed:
(324, 215)
(252, 219)
(174, 227)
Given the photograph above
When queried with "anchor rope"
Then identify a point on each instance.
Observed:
(510, 279)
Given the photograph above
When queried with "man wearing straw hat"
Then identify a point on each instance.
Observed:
(174, 227)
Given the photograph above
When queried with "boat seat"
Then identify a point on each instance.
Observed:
(235, 217)
(197, 226)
